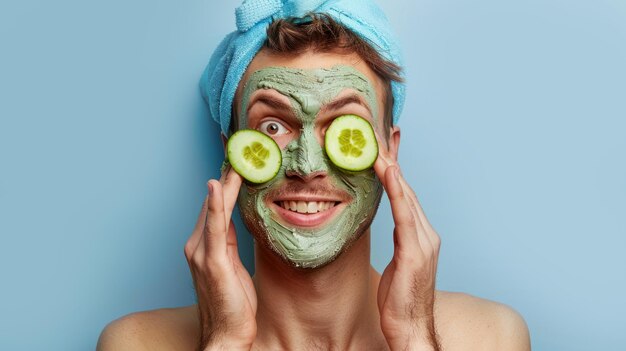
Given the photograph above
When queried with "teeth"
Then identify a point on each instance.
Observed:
(301, 207)
(312, 207)
(307, 207)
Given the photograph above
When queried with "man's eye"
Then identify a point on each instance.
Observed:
(273, 128)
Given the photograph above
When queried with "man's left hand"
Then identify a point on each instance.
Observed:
(406, 294)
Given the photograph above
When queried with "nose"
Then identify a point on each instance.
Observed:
(306, 177)
(307, 160)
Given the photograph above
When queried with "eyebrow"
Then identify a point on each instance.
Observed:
(331, 106)
(271, 102)
(339, 103)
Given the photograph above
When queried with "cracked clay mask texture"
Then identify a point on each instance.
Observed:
(308, 90)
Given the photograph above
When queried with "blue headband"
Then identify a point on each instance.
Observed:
(231, 58)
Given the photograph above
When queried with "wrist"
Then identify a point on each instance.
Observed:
(419, 336)
(413, 345)
(224, 344)
(224, 347)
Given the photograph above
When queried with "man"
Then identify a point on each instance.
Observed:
(314, 287)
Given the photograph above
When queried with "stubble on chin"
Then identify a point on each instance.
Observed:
(260, 232)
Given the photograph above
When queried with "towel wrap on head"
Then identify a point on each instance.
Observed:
(233, 55)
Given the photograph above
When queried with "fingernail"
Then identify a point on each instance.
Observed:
(210, 187)
(396, 172)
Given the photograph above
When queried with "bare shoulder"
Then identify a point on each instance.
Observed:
(467, 322)
(161, 329)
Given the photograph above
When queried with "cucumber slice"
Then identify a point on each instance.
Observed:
(350, 143)
(254, 155)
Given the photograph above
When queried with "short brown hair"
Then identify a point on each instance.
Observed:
(321, 33)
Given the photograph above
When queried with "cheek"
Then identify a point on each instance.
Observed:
(251, 198)
(245, 200)
(284, 140)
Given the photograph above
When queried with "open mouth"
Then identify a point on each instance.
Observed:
(306, 213)
(307, 206)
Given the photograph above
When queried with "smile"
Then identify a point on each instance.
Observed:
(307, 206)
(302, 212)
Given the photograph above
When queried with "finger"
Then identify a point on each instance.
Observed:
(231, 183)
(215, 226)
(199, 255)
(384, 160)
(380, 167)
(407, 189)
(424, 235)
(202, 215)
(430, 233)
(194, 239)
(383, 149)
(231, 241)
(403, 217)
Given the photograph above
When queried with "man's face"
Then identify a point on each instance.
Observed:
(311, 211)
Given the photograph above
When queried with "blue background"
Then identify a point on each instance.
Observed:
(513, 139)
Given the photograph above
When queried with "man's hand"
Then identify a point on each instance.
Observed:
(226, 296)
(406, 293)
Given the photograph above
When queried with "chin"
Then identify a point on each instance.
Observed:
(309, 229)
(326, 249)
(311, 262)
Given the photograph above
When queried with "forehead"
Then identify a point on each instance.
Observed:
(310, 70)
(310, 88)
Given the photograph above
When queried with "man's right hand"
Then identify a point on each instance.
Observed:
(227, 299)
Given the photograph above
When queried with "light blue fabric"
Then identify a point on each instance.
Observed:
(231, 58)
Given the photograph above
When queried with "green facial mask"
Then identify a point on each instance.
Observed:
(308, 91)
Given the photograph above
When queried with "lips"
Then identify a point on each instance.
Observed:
(306, 206)
(305, 218)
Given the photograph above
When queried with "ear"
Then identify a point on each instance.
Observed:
(394, 142)
(224, 142)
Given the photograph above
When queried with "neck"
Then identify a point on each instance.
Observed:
(332, 307)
